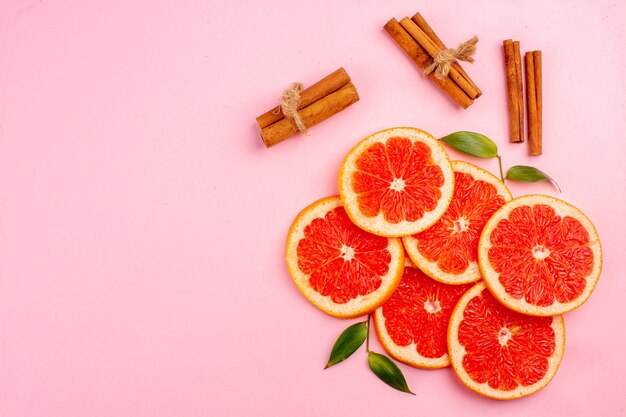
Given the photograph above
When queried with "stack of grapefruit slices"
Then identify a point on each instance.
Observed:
(453, 270)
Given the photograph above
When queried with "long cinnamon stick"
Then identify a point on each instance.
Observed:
(531, 100)
(313, 114)
(429, 45)
(539, 93)
(520, 86)
(422, 59)
(515, 99)
(320, 89)
(423, 24)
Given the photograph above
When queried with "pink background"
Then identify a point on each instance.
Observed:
(142, 222)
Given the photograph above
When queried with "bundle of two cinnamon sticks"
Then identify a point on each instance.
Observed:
(317, 103)
(515, 94)
(420, 42)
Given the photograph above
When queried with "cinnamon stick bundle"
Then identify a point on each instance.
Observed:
(515, 95)
(419, 20)
(534, 100)
(421, 44)
(317, 103)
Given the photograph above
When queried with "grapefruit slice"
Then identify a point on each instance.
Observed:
(413, 323)
(343, 270)
(500, 353)
(448, 251)
(540, 255)
(396, 182)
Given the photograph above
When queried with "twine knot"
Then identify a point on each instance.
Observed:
(289, 103)
(442, 61)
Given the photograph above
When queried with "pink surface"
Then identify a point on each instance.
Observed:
(142, 223)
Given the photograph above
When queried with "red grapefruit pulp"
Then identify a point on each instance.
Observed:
(396, 182)
(412, 325)
(540, 255)
(448, 250)
(340, 268)
(501, 353)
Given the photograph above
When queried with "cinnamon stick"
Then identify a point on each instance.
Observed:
(515, 98)
(534, 138)
(320, 89)
(316, 112)
(539, 93)
(429, 45)
(520, 86)
(423, 24)
(422, 59)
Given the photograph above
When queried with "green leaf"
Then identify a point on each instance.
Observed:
(525, 173)
(472, 143)
(347, 343)
(388, 372)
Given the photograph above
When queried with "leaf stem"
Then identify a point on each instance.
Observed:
(367, 340)
(500, 165)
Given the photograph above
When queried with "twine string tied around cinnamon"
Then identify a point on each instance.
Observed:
(289, 104)
(442, 61)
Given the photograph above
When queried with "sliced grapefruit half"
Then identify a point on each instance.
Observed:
(396, 182)
(341, 269)
(540, 255)
(448, 250)
(500, 353)
(412, 325)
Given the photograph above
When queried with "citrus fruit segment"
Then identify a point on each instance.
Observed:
(341, 269)
(396, 182)
(448, 250)
(500, 353)
(412, 325)
(540, 255)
